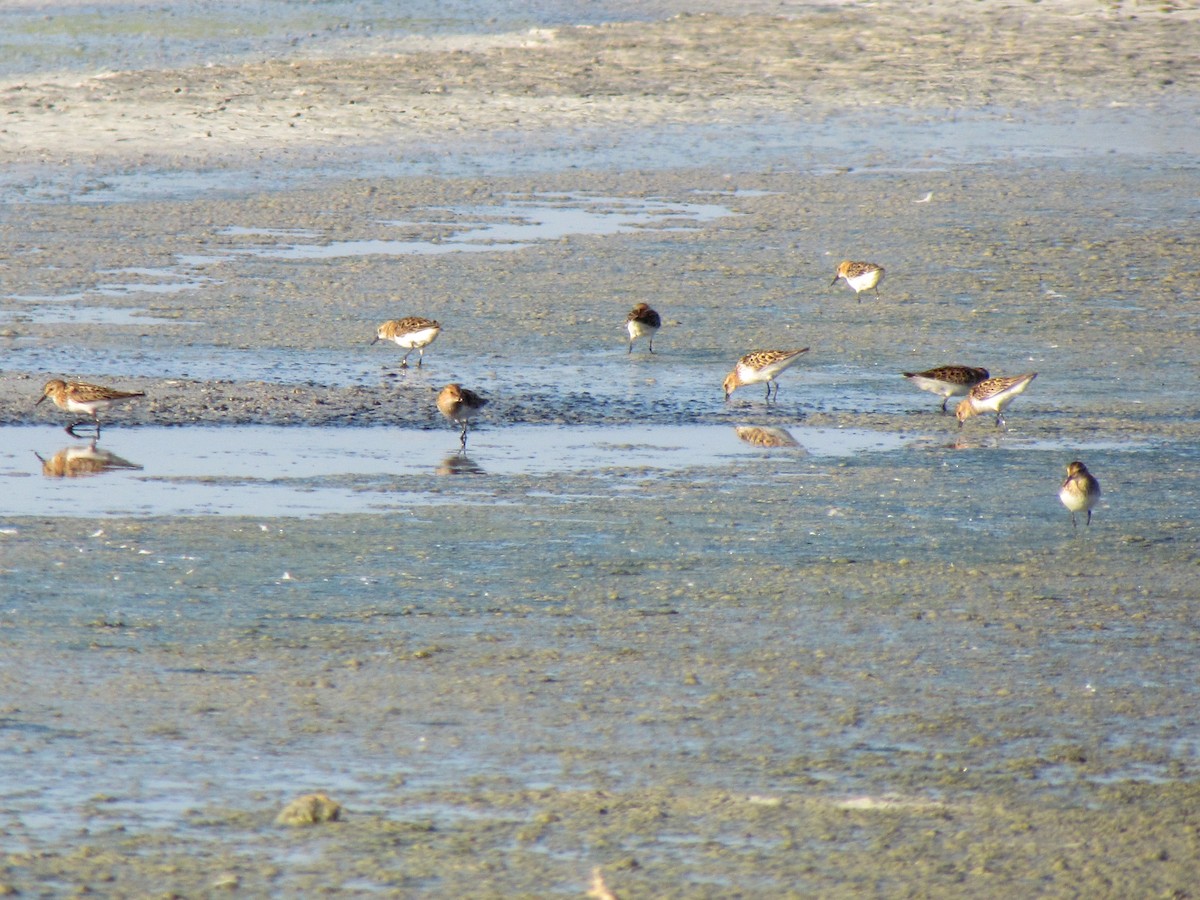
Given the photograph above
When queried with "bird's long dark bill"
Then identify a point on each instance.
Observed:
(40, 399)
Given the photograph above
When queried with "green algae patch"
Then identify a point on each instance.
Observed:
(311, 809)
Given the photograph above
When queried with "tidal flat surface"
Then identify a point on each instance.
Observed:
(877, 659)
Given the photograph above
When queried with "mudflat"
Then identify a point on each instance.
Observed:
(777, 672)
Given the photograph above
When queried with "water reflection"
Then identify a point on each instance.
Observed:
(767, 436)
(459, 464)
(520, 222)
(78, 462)
(259, 470)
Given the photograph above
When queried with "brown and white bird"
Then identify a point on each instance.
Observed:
(460, 406)
(641, 321)
(411, 333)
(759, 366)
(1080, 492)
(80, 397)
(992, 396)
(861, 276)
(948, 381)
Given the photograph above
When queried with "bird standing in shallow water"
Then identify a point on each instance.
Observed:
(80, 397)
(1081, 491)
(411, 333)
(760, 366)
(948, 381)
(460, 406)
(861, 276)
(992, 396)
(642, 320)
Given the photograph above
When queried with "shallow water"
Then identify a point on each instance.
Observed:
(902, 587)
(260, 470)
(103, 36)
(276, 471)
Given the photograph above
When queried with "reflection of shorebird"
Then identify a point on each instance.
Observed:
(599, 890)
(992, 396)
(760, 366)
(861, 276)
(1081, 491)
(79, 397)
(642, 320)
(948, 381)
(460, 406)
(78, 462)
(412, 333)
(459, 464)
(766, 436)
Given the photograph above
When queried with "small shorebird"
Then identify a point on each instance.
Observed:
(642, 320)
(861, 276)
(760, 366)
(411, 333)
(992, 396)
(460, 406)
(948, 381)
(79, 397)
(1081, 491)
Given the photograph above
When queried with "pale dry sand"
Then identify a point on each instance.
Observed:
(689, 69)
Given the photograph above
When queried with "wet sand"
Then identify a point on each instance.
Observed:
(895, 672)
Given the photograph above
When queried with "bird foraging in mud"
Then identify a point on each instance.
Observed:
(948, 381)
(460, 406)
(760, 366)
(641, 321)
(861, 276)
(1080, 492)
(412, 333)
(81, 397)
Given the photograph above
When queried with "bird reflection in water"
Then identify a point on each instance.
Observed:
(766, 436)
(459, 464)
(78, 462)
